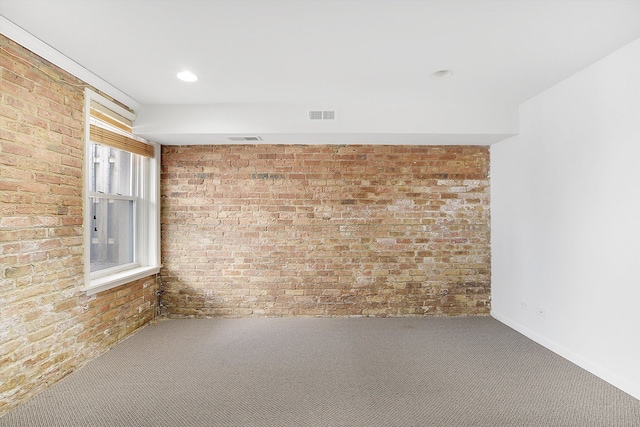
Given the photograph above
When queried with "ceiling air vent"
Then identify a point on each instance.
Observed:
(322, 115)
(245, 138)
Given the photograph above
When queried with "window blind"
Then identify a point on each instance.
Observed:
(111, 129)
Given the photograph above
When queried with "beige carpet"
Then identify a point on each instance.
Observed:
(329, 372)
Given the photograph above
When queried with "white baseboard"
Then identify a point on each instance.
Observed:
(614, 379)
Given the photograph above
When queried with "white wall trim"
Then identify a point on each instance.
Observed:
(597, 370)
(27, 40)
(147, 234)
(119, 279)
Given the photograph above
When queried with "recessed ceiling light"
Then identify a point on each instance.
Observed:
(441, 74)
(187, 76)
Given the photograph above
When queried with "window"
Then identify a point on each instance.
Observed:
(112, 202)
(121, 220)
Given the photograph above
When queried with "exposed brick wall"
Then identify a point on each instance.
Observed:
(48, 326)
(274, 230)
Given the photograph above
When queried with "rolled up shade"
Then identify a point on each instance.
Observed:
(114, 130)
(121, 142)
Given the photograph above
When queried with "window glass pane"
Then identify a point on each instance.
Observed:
(110, 171)
(112, 232)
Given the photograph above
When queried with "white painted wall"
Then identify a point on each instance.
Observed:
(566, 220)
(356, 123)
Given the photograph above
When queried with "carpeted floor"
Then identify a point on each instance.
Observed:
(329, 372)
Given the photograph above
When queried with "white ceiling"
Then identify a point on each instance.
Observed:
(262, 65)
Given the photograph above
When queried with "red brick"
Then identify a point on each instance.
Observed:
(41, 152)
(337, 220)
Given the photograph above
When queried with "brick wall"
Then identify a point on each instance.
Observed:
(48, 326)
(325, 230)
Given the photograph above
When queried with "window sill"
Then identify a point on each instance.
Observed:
(118, 279)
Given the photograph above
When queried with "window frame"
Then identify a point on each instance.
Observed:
(146, 212)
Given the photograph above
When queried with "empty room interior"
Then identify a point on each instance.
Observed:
(319, 212)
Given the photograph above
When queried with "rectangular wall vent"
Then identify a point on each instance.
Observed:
(322, 115)
(328, 115)
(245, 138)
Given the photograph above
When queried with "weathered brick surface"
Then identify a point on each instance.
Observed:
(325, 230)
(48, 326)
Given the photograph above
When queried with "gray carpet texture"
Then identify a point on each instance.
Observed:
(471, 371)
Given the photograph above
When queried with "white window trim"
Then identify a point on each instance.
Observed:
(147, 249)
